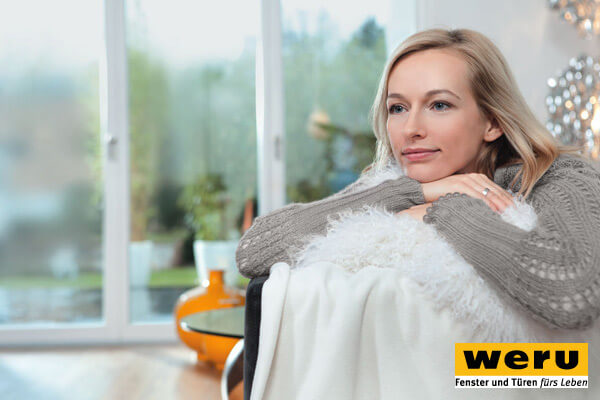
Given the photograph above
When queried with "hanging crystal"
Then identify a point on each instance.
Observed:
(574, 105)
(584, 14)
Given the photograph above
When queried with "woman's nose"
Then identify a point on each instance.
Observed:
(413, 125)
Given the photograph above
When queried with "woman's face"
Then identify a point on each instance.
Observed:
(448, 121)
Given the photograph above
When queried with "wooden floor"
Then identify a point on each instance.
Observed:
(109, 373)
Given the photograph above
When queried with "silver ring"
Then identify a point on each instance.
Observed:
(486, 191)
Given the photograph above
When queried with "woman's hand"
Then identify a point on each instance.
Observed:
(471, 184)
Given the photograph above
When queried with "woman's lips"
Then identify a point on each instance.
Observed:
(421, 155)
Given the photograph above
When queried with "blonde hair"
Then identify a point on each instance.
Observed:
(524, 138)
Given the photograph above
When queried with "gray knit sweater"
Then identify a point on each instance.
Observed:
(552, 272)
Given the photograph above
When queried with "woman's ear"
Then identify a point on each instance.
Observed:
(493, 131)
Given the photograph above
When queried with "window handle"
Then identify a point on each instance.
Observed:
(110, 139)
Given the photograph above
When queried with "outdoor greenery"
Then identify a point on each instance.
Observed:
(338, 77)
(173, 277)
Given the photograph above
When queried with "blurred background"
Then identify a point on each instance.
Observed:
(191, 132)
(139, 138)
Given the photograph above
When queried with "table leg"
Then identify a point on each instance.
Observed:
(233, 372)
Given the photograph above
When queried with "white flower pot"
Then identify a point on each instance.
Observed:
(216, 254)
(140, 262)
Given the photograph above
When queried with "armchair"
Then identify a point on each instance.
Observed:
(252, 330)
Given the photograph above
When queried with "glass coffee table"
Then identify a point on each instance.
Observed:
(228, 322)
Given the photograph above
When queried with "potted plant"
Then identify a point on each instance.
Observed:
(205, 202)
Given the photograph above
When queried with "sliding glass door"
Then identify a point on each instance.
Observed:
(136, 134)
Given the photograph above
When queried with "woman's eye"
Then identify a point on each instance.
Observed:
(392, 107)
(439, 102)
(435, 103)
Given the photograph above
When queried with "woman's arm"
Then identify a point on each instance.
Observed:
(276, 236)
(552, 271)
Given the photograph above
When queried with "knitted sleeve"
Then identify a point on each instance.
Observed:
(553, 271)
(276, 236)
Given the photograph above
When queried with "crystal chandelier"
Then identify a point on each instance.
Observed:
(574, 105)
(584, 14)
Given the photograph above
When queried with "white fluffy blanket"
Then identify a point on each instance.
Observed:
(372, 310)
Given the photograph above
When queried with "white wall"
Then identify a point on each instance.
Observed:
(536, 42)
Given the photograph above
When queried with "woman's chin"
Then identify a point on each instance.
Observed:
(420, 178)
(424, 175)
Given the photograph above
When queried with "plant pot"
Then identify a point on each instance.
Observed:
(140, 263)
(214, 255)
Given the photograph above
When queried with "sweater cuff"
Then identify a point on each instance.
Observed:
(405, 190)
(478, 233)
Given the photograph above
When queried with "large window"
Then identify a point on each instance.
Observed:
(139, 137)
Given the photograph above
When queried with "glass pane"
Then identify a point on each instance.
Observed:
(191, 110)
(333, 55)
(51, 198)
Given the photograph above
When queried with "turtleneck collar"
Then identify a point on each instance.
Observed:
(504, 175)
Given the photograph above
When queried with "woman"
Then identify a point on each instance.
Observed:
(451, 93)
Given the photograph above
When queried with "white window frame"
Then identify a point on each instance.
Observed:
(270, 109)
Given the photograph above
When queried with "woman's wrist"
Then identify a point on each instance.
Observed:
(426, 195)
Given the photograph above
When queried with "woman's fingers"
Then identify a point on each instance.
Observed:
(498, 198)
(471, 184)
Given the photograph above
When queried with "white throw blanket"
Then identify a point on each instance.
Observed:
(372, 310)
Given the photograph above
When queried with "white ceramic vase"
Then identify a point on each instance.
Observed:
(216, 254)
